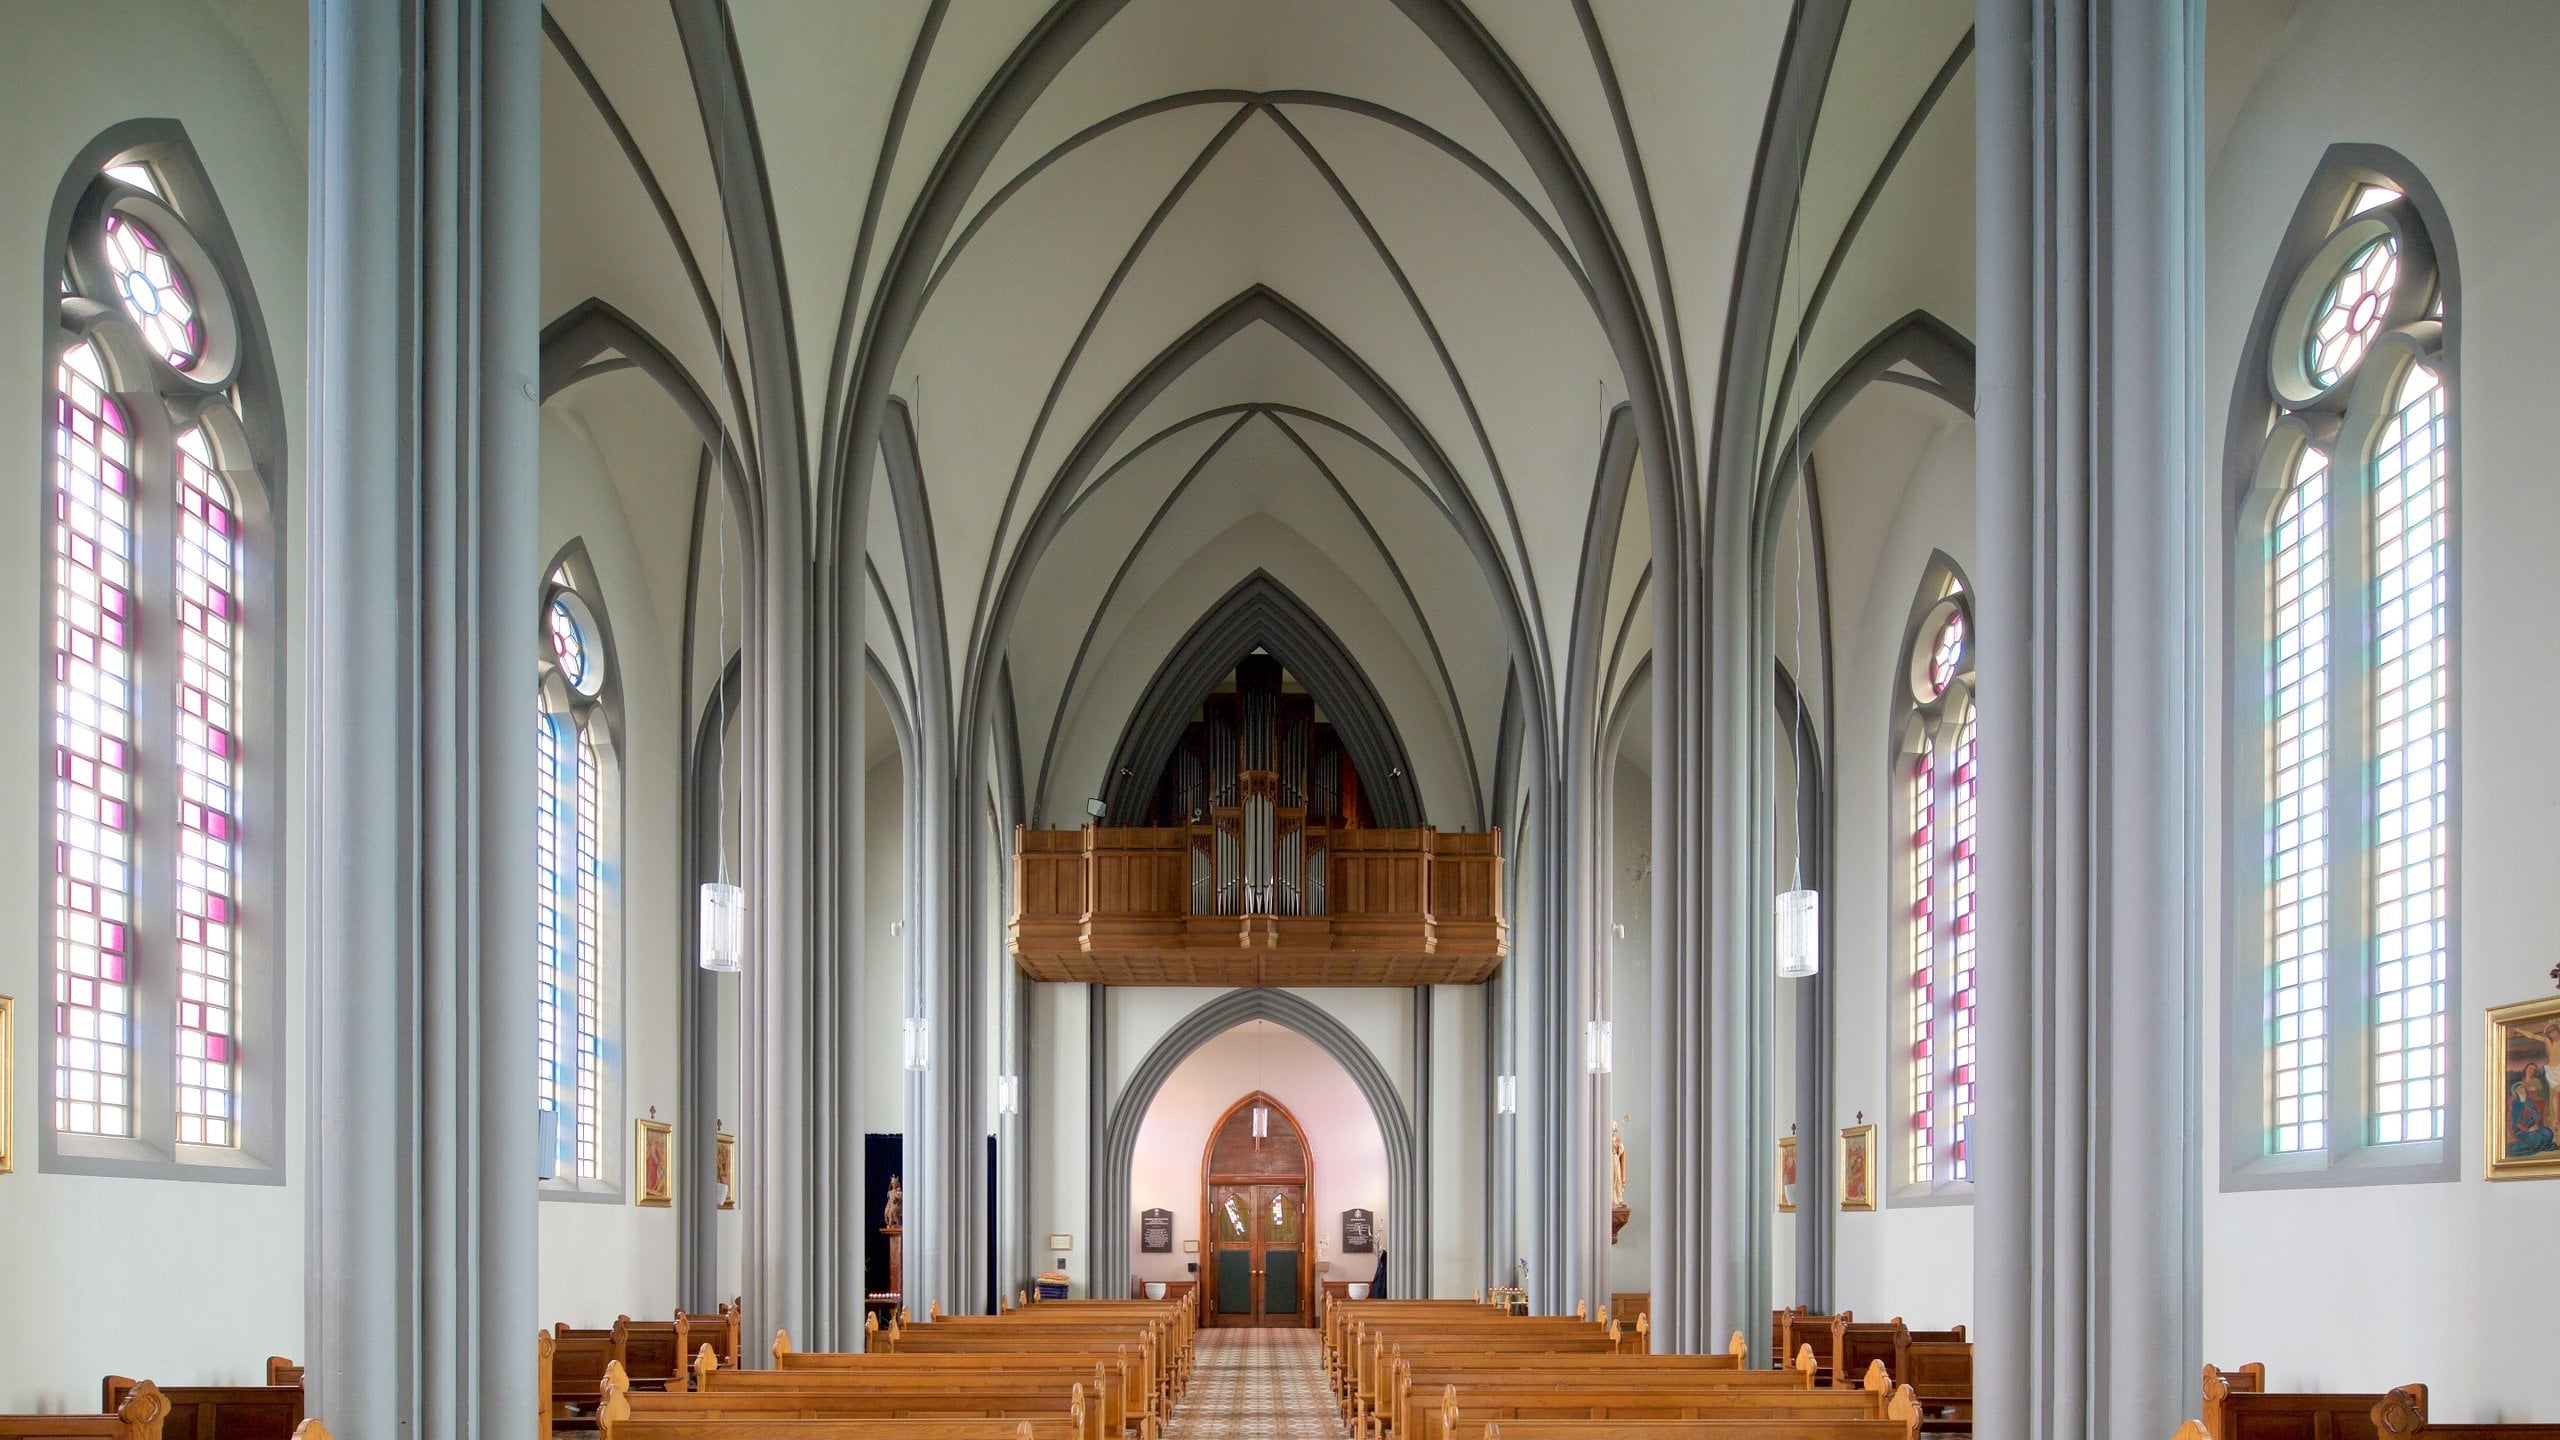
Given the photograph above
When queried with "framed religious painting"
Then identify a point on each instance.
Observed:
(2524, 1134)
(1787, 1175)
(653, 1160)
(1858, 1168)
(724, 1167)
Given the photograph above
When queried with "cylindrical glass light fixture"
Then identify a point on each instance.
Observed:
(1799, 934)
(724, 927)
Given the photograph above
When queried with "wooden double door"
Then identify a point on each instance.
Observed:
(1258, 1262)
(1260, 1268)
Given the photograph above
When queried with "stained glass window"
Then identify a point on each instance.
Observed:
(2409, 692)
(574, 868)
(1921, 1015)
(1939, 806)
(2298, 809)
(155, 292)
(1960, 861)
(152, 737)
(2350, 314)
(554, 900)
(2349, 717)
(93, 750)
(208, 750)
(1947, 654)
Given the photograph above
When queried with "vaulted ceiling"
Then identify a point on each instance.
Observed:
(1167, 292)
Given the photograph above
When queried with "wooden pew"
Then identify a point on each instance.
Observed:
(719, 1331)
(2238, 1406)
(725, 1403)
(1793, 1330)
(2402, 1415)
(1938, 1366)
(281, 1371)
(1367, 1381)
(139, 1418)
(1718, 1376)
(1790, 1429)
(578, 1358)
(216, 1412)
(680, 1427)
(1118, 1378)
(1151, 1328)
(650, 1352)
(1857, 1344)
(1501, 1406)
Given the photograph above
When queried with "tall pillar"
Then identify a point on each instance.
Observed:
(2090, 513)
(421, 521)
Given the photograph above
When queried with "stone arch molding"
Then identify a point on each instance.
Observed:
(1262, 612)
(1119, 1150)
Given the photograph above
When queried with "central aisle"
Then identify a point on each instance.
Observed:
(1256, 1385)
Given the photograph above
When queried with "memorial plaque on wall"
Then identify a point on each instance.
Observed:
(1155, 1232)
(1359, 1232)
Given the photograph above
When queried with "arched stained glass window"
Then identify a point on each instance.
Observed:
(1938, 804)
(573, 884)
(153, 621)
(2341, 998)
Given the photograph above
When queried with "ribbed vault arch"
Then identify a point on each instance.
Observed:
(1260, 611)
(1119, 1151)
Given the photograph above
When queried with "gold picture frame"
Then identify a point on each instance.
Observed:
(2523, 1132)
(653, 1163)
(8, 1068)
(724, 1167)
(1787, 1175)
(1858, 1168)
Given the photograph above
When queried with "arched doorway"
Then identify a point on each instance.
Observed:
(1255, 1174)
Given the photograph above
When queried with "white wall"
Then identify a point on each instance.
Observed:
(1631, 1011)
(883, 958)
(2361, 1289)
(1903, 1258)
(1347, 1151)
(122, 1266)
(600, 1260)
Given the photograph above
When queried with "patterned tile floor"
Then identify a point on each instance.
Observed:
(1256, 1385)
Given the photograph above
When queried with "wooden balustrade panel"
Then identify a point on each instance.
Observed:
(1112, 904)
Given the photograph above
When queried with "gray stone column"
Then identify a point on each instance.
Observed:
(2090, 514)
(423, 600)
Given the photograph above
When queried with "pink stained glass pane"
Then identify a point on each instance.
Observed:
(209, 617)
(2298, 812)
(91, 713)
(1946, 653)
(2349, 315)
(156, 293)
(1921, 972)
(2409, 793)
(1960, 939)
(569, 648)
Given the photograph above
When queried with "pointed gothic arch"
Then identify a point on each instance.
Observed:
(1262, 613)
(1406, 1195)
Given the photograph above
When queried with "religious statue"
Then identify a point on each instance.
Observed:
(893, 1212)
(1618, 1211)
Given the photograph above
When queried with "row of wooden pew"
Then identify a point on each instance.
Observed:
(570, 1362)
(140, 1410)
(1936, 1364)
(1459, 1370)
(2239, 1406)
(1059, 1370)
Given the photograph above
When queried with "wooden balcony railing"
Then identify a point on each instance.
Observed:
(1120, 906)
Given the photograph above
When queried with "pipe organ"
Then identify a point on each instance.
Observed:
(1255, 866)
